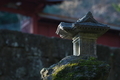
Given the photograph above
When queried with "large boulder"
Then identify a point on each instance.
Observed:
(77, 68)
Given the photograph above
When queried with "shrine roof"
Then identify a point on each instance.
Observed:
(86, 24)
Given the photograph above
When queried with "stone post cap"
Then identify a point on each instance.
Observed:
(87, 24)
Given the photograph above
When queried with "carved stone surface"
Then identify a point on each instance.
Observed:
(23, 55)
(84, 33)
(84, 46)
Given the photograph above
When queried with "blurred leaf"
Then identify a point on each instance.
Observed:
(117, 7)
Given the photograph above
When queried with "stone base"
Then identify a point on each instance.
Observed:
(76, 68)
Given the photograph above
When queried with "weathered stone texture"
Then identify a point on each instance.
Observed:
(23, 55)
(77, 68)
(111, 56)
(104, 53)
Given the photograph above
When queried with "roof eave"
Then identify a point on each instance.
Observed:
(68, 19)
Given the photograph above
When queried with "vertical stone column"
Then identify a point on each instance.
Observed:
(84, 45)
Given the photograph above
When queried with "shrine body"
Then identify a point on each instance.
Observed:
(84, 34)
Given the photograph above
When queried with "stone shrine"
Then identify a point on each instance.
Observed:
(84, 34)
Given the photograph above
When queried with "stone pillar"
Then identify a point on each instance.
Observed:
(84, 44)
(84, 34)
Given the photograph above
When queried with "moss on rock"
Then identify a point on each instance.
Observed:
(81, 69)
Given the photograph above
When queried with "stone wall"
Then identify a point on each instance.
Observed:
(111, 56)
(23, 55)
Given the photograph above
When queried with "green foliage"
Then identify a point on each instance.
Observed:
(117, 7)
(90, 69)
(54, 9)
(7, 18)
